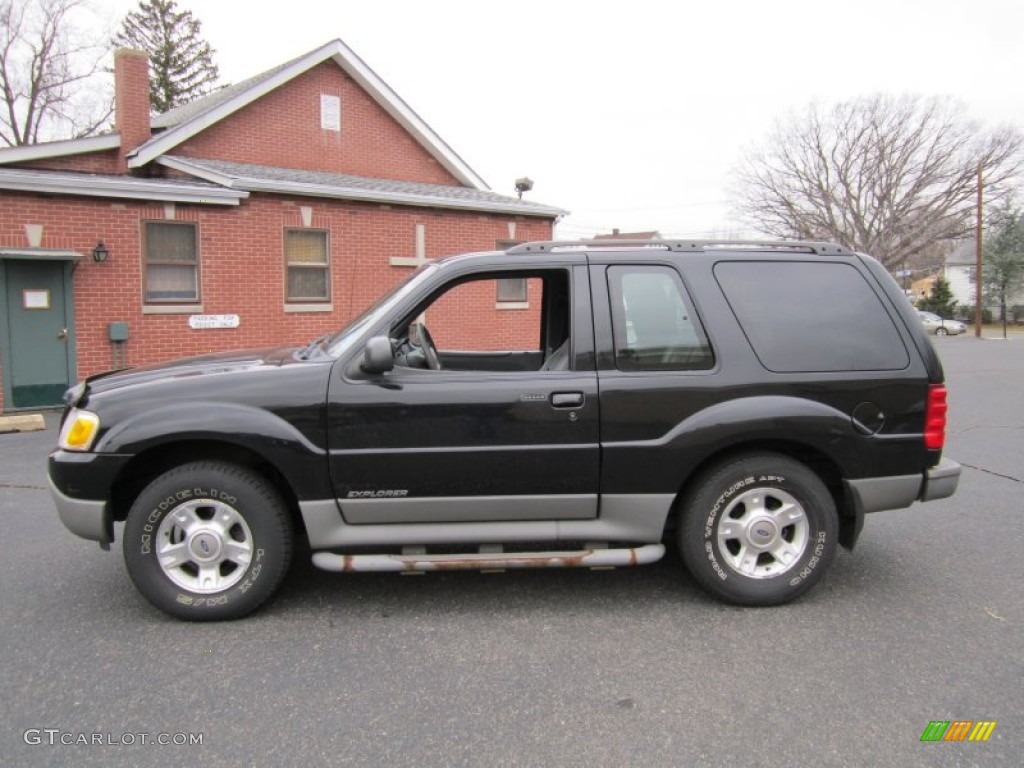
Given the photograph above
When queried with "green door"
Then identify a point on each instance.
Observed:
(38, 327)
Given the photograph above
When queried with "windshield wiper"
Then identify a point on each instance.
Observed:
(312, 346)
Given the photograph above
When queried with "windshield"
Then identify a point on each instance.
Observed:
(343, 340)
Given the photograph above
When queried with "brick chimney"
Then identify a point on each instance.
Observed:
(131, 101)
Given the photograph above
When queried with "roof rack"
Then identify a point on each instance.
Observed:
(782, 246)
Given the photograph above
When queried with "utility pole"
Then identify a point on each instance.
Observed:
(977, 264)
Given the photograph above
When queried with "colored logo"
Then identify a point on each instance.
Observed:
(958, 730)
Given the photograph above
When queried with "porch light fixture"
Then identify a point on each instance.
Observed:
(100, 252)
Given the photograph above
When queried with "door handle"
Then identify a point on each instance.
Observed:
(567, 399)
(62, 334)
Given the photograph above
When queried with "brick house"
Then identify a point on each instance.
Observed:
(267, 213)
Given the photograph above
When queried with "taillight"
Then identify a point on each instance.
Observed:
(935, 417)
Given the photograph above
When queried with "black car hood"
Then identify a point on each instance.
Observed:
(203, 365)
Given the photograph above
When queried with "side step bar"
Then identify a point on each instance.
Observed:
(419, 563)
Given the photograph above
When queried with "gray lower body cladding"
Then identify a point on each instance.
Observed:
(639, 518)
(876, 494)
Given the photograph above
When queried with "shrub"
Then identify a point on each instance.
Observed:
(965, 312)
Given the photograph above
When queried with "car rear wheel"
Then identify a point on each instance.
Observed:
(758, 529)
(208, 541)
(941, 331)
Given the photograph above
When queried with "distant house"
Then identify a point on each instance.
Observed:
(615, 234)
(920, 289)
(959, 269)
(268, 212)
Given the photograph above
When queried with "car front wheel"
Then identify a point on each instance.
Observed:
(941, 332)
(208, 541)
(758, 529)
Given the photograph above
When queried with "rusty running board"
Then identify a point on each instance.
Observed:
(417, 562)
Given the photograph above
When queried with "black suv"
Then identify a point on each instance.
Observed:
(750, 401)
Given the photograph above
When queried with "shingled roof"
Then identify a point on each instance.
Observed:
(204, 104)
(261, 178)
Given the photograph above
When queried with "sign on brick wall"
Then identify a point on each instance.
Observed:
(213, 321)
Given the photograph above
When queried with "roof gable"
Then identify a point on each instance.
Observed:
(283, 129)
(191, 119)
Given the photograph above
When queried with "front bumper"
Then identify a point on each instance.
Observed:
(84, 517)
(81, 485)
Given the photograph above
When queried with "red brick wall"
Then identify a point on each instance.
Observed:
(466, 318)
(242, 267)
(93, 162)
(282, 129)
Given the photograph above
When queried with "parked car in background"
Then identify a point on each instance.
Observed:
(935, 324)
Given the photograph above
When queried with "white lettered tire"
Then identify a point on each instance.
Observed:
(208, 541)
(758, 529)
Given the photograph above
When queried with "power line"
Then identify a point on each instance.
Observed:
(656, 207)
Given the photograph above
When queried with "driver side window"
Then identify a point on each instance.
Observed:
(470, 333)
(465, 319)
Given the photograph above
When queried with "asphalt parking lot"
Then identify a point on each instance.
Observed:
(923, 622)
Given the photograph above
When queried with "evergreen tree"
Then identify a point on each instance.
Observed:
(180, 60)
(940, 301)
(1002, 275)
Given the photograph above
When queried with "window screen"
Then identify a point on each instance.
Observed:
(511, 289)
(172, 262)
(308, 264)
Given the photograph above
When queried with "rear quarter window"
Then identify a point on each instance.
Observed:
(803, 317)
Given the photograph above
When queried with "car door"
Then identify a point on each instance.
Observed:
(656, 368)
(462, 445)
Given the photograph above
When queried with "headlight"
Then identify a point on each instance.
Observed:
(79, 430)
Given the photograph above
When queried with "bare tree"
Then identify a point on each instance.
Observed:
(892, 176)
(48, 72)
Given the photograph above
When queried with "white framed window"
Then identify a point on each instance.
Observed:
(171, 256)
(307, 265)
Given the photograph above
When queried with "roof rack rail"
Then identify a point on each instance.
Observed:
(791, 246)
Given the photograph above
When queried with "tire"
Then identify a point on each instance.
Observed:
(940, 331)
(758, 529)
(208, 541)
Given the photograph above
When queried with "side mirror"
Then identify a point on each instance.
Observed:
(377, 355)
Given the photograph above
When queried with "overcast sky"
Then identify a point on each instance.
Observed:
(633, 114)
